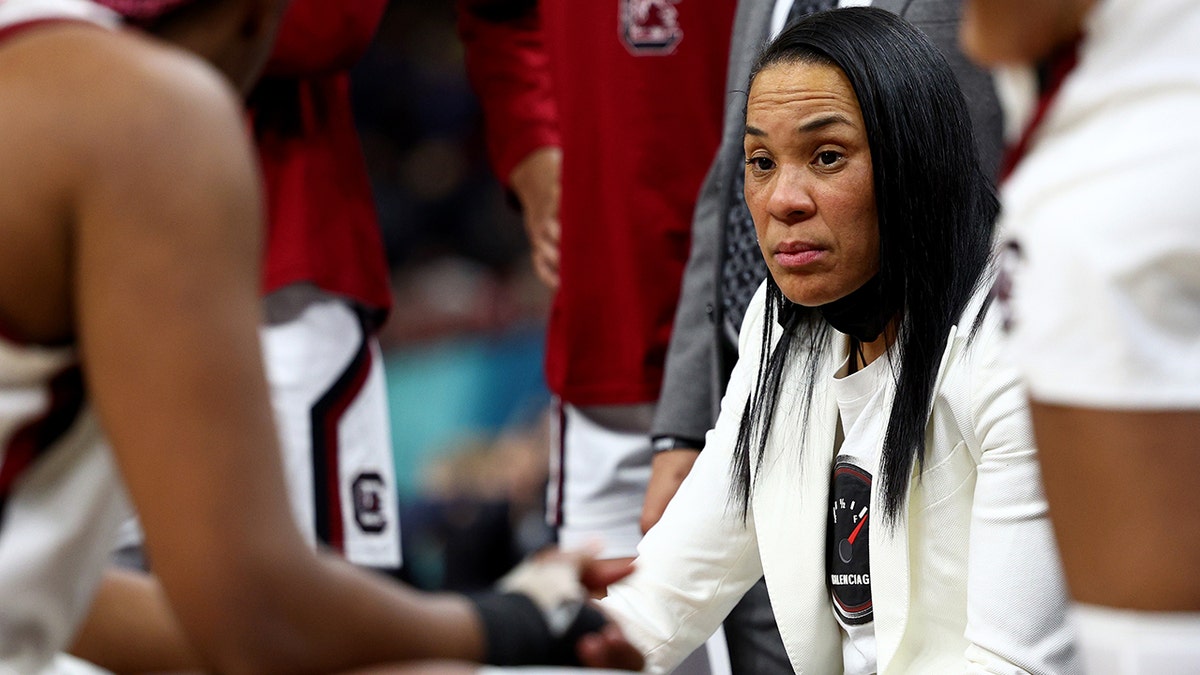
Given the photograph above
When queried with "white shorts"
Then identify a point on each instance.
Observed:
(599, 469)
(327, 388)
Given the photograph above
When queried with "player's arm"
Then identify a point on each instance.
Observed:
(166, 221)
(667, 471)
(166, 288)
(1121, 493)
(537, 183)
(509, 70)
(131, 628)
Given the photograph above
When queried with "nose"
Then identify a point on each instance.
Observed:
(790, 198)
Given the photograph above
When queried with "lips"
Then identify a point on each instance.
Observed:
(797, 253)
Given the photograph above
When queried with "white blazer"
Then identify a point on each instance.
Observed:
(968, 581)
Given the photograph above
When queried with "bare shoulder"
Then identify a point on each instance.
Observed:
(100, 79)
(102, 122)
(100, 95)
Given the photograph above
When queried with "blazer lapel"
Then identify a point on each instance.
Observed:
(890, 581)
(952, 341)
(790, 502)
(889, 573)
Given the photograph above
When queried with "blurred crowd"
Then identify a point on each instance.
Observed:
(463, 346)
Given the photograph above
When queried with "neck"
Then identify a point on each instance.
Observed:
(234, 36)
(867, 352)
(877, 347)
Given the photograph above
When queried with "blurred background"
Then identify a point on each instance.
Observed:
(463, 346)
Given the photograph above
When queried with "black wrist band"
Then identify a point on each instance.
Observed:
(517, 634)
(665, 443)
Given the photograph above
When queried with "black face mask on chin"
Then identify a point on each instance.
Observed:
(864, 313)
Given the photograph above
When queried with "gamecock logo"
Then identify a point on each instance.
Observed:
(369, 492)
(650, 26)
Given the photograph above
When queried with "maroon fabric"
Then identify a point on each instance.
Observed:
(507, 63)
(322, 226)
(1056, 69)
(324, 36)
(34, 439)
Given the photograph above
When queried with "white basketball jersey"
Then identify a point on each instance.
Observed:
(60, 503)
(60, 498)
(14, 13)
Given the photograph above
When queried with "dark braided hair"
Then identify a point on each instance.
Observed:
(936, 208)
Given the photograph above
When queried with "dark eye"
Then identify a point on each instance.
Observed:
(828, 157)
(760, 163)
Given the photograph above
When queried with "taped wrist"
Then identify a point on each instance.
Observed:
(518, 633)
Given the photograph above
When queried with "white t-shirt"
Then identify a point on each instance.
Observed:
(1101, 227)
(864, 402)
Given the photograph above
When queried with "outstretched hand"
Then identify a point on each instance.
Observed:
(555, 579)
(596, 575)
(554, 571)
(608, 648)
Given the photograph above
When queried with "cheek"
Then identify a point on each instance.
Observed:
(756, 196)
(869, 241)
(859, 223)
(869, 218)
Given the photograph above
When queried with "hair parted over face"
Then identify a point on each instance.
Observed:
(913, 121)
(809, 182)
(862, 177)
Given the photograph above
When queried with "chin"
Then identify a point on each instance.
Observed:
(807, 297)
(810, 292)
(810, 287)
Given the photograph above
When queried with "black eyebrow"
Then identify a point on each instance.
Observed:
(825, 121)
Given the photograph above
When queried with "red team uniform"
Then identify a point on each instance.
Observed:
(322, 224)
(632, 92)
(326, 284)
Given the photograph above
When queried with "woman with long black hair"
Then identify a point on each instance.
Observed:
(873, 457)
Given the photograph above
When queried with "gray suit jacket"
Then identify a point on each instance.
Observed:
(701, 356)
